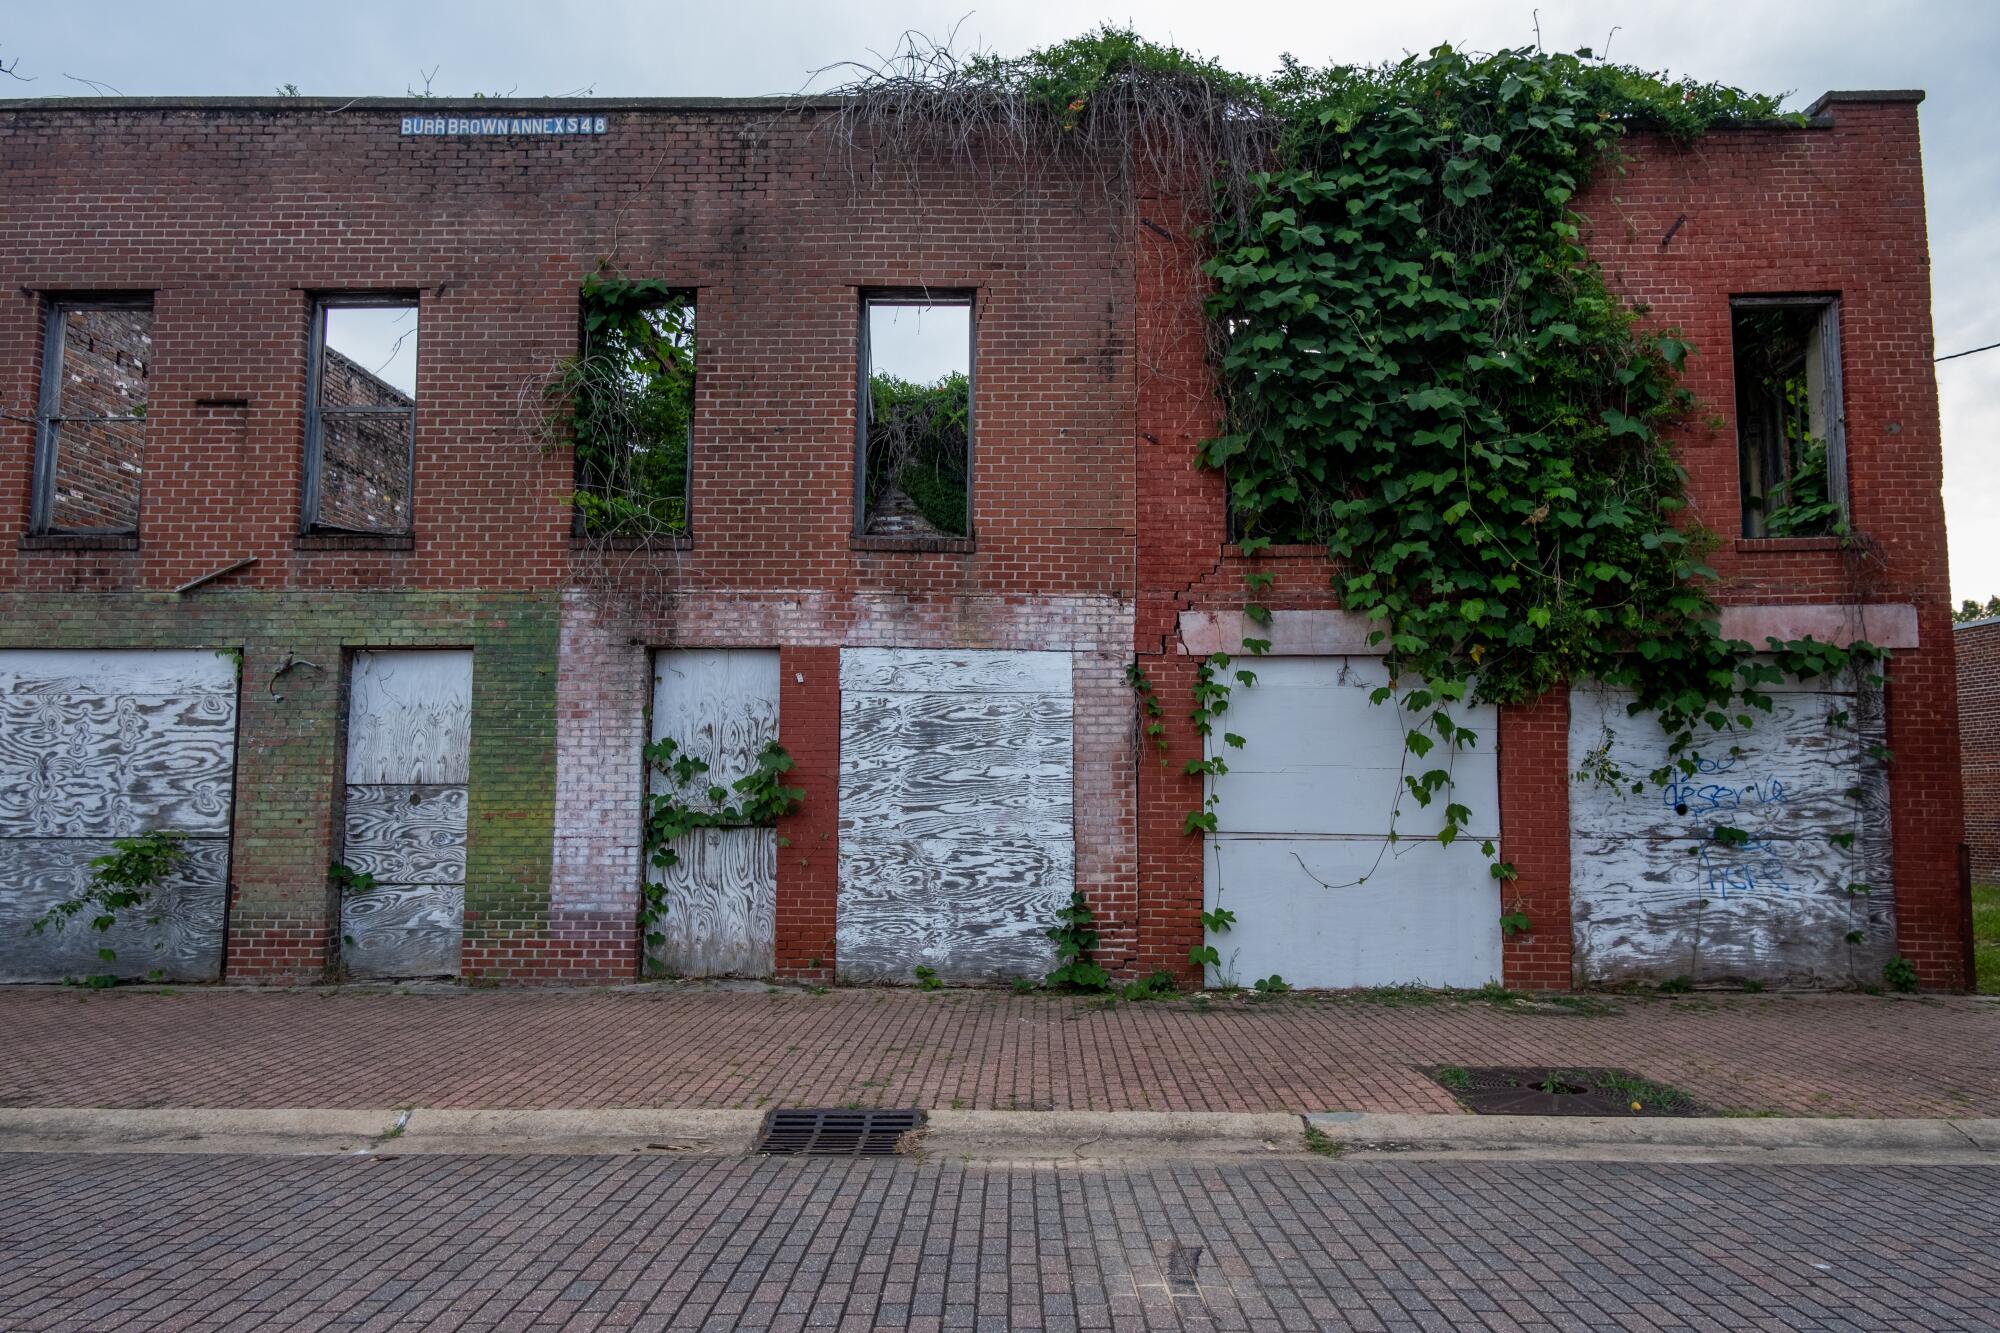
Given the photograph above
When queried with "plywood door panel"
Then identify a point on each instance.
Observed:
(957, 841)
(1339, 912)
(183, 944)
(1654, 896)
(721, 706)
(107, 745)
(721, 905)
(1302, 855)
(409, 717)
(406, 834)
(104, 744)
(1323, 759)
(409, 730)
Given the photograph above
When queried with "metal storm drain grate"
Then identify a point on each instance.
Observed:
(815, 1132)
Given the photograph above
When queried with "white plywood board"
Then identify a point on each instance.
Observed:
(953, 671)
(721, 917)
(409, 734)
(409, 717)
(1654, 896)
(721, 706)
(175, 936)
(1321, 758)
(957, 830)
(111, 744)
(1341, 912)
(103, 744)
(1302, 856)
(402, 930)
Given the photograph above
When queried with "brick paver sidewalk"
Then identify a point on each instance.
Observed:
(699, 1046)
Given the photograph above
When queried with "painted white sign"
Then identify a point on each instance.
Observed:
(546, 127)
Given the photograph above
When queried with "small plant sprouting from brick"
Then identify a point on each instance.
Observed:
(758, 799)
(1076, 947)
(1679, 985)
(348, 880)
(1322, 1144)
(1899, 974)
(121, 880)
(927, 978)
(1271, 986)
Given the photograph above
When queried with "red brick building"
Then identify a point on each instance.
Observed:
(1978, 645)
(444, 684)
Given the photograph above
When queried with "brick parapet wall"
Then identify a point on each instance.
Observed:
(1978, 647)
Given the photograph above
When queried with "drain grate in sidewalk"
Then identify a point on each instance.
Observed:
(821, 1132)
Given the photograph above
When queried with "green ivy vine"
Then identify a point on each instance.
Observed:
(683, 804)
(124, 879)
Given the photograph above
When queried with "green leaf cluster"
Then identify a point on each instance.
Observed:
(679, 803)
(627, 401)
(121, 880)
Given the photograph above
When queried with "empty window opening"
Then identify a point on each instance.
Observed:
(916, 416)
(631, 397)
(362, 414)
(90, 448)
(1790, 425)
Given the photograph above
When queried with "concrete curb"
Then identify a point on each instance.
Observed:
(1096, 1136)
(1026, 1137)
(1617, 1138)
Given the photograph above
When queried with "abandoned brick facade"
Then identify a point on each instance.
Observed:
(958, 709)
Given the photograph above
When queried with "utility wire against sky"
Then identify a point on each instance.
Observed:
(1967, 352)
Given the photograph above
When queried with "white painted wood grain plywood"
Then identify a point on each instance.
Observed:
(1655, 897)
(957, 830)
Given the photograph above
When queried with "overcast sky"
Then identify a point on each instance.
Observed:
(668, 48)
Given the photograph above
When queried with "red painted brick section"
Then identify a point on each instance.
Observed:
(809, 850)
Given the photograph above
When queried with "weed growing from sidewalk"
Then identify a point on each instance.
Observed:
(1317, 1141)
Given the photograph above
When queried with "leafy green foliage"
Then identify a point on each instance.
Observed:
(629, 399)
(1066, 78)
(927, 978)
(1075, 935)
(758, 799)
(918, 442)
(1514, 922)
(1899, 974)
(1971, 610)
(121, 880)
(1424, 369)
(346, 879)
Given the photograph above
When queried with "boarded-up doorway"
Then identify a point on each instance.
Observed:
(409, 731)
(1301, 852)
(100, 745)
(719, 705)
(1804, 898)
(957, 843)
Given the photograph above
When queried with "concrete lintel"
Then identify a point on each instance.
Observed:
(1884, 625)
(1291, 633)
(1329, 633)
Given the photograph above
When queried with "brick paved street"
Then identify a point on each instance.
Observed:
(249, 1243)
(700, 1047)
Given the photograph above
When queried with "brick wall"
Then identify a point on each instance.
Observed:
(1979, 743)
(283, 916)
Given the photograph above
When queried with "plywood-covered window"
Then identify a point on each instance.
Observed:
(361, 414)
(97, 359)
(915, 415)
(1791, 434)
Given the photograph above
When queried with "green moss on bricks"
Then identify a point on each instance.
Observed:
(288, 779)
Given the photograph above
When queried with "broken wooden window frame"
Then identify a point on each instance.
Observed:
(49, 418)
(915, 297)
(1826, 409)
(317, 415)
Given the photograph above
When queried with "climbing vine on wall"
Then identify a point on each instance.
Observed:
(679, 803)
